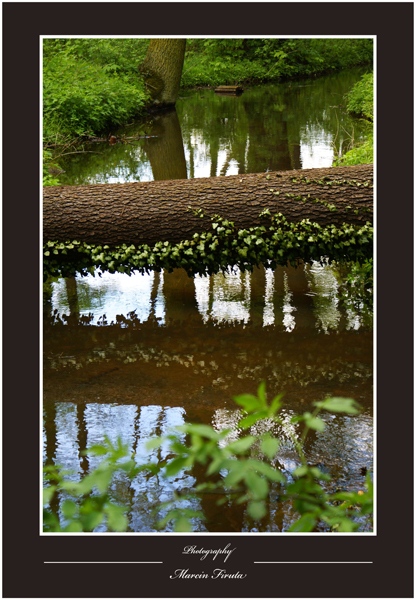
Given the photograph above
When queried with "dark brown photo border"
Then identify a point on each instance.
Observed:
(356, 566)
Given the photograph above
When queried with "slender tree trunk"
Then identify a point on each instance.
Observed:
(148, 212)
(162, 69)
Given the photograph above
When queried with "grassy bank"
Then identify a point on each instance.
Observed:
(93, 85)
(360, 102)
(90, 85)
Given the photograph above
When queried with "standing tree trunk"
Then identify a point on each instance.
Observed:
(162, 69)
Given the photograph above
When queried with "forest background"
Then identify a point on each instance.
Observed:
(91, 85)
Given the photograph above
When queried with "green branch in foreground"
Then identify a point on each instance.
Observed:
(242, 471)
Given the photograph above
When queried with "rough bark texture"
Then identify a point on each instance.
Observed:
(147, 212)
(162, 69)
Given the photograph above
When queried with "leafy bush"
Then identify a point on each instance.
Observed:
(115, 55)
(48, 163)
(214, 61)
(360, 100)
(89, 86)
(209, 72)
(362, 154)
(242, 471)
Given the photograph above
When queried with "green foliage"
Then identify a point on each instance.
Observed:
(90, 85)
(241, 471)
(220, 61)
(48, 163)
(360, 100)
(356, 288)
(93, 84)
(363, 154)
(87, 503)
(277, 243)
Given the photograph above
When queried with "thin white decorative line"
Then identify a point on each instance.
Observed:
(314, 562)
(101, 562)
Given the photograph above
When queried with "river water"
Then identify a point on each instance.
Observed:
(133, 357)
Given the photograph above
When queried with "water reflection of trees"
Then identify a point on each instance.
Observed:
(69, 430)
(312, 296)
(75, 431)
(200, 340)
(275, 127)
(182, 348)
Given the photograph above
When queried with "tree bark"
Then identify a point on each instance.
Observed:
(148, 212)
(162, 69)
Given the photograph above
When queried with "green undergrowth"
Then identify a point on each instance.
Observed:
(216, 61)
(90, 85)
(360, 103)
(277, 242)
(360, 100)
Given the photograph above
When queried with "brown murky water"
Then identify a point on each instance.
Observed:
(135, 356)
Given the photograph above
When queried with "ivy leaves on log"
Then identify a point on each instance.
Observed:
(276, 242)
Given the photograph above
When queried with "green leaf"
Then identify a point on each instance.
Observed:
(242, 445)
(269, 446)
(251, 419)
(69, 508)
(256, 509)
(97, 450)
(237, 470)
(92, 519)
(248, 402)
(258, 486)
(100, 478)
(276, 404)
(216, 466)
(203, 430)
(117, 520)
(177, 464)
(316, 473)
(182, 524)
(154, 443)
(48, 493)
(314, 422)
(261, 393)
(267, 470)
(300, 471)
(339, 405)
(345, 525)
(307, 522)
(74, 526)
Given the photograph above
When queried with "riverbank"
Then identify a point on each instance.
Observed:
(91, 86)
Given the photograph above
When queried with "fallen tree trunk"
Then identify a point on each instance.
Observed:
(148, 212)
